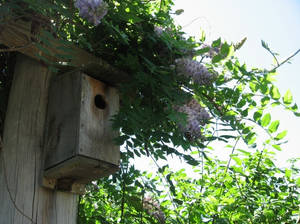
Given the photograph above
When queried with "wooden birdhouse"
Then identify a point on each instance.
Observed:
(79, 139)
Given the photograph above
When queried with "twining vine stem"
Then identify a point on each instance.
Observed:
(7, 187)
(16, 48)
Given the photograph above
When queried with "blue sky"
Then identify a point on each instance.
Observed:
(275, 21)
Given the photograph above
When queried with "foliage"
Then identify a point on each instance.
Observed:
(140, 38)
(252, 190)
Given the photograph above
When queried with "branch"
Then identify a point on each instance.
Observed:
(228, 165)
(233, 149)
(265, 46)
(123, 200)
(16, 48)
(274, 56)
(286, 60)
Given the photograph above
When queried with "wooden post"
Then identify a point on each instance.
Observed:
(23, 200)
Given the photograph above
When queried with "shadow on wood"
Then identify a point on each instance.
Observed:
(24, 200)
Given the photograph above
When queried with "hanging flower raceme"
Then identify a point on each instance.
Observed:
(194, 70)
(158, 30)
(213, 51)
(197, 117)
(153, 208)
(92, 10)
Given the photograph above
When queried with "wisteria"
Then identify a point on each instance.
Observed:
(213, 51)
(92, 10)
(194, 70)
(158, 30)
(153, 208)
(197, 116)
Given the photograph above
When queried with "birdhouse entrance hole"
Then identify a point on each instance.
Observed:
(100, 102)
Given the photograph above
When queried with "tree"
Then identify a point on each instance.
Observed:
(182, 95)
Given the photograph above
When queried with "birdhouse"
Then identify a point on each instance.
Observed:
(79, 138)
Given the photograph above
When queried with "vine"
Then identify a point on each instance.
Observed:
(182, 96)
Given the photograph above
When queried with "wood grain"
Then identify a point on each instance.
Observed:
(61, 54)
(79, 139)
(26, 201)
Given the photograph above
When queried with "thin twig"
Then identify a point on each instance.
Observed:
(123, 197)
(286, 60)
(273, 54)
(142, 205)
(164, 177)
(232, 152)
(228, 164)
(192, 21)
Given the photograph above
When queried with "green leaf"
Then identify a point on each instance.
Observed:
(257, 115)
(240, 44)
(179, 12)
(216, 58)
(202, 51)
(203, 36)
(265, 45)
(288, 98)
(293, 108)
(275, 104)
(245, 112)
(266, 120)
(281, 135)
(298, 182)
(225, 50)
(177, 201)
(121, 139)
(190, 160)
(264, 101)
(274, 126)
(43, 49)
(216, 43)
(297, 114)
(252, 141)
(277, 147)
(268, 213)
(244, 152)
(253, 87)
(237, 160)
(264, 88)
(288, 173)
(241, 103)
(275, 94)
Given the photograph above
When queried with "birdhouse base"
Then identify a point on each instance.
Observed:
(71, 175)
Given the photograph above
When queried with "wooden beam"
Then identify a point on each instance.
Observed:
(19, 36)
(23, 199)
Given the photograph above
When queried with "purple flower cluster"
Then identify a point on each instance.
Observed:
(158, 30)
(195, 70)
(153, 208)
(213, 51)
(92, 10)
(197, 116)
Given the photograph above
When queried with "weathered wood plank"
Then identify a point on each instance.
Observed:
(19, 34)
(23, 154)
(96, 135)
(80, 140)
